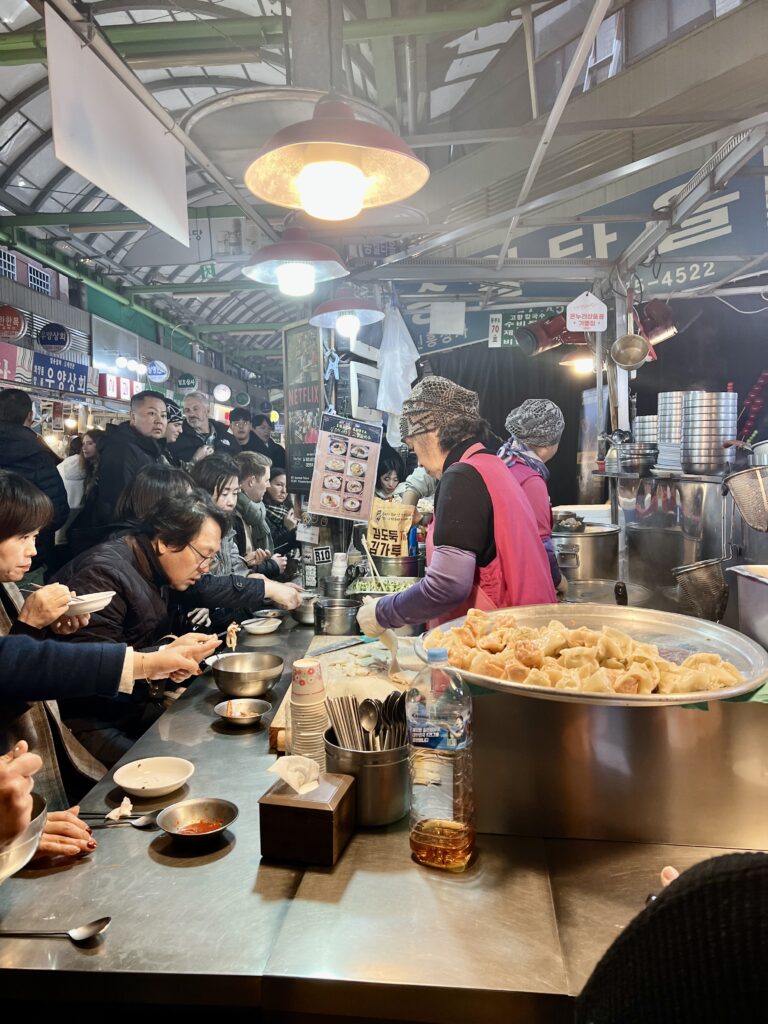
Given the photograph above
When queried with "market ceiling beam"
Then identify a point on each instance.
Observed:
(486, 270)
(255, 328)
(230, 40)
(580, 55)
(714, 174)
(220, 287)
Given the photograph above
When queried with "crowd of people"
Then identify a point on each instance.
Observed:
(169, 512)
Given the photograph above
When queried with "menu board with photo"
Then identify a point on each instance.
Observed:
(346, 463)
(304, 402)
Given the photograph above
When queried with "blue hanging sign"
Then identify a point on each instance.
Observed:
(53, 339)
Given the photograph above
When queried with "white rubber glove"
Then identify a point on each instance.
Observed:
(199, 617)
(366, 617)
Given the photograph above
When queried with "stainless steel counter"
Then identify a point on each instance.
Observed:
(376, 937)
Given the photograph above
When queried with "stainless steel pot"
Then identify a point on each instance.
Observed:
(591, 555)
(407, 566)
(336, 617)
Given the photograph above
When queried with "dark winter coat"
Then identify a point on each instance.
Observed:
(189, 441)
(23, 452)
(125, 452)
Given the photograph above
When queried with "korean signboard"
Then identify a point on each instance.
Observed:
(56, 374)
(304, 402)
(586, 313)
(120, 388)
(13, 323)
(53, 339)
(502, 326)
(388, 528)
(345, 465)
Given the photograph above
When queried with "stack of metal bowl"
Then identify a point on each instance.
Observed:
(709, 420)
(645, 430)
(637, 458)
(670, 431)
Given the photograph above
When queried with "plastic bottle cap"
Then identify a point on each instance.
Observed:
(437, 654)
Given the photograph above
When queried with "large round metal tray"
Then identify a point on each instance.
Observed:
(675, 635)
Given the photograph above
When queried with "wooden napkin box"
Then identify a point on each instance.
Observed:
(308, 828)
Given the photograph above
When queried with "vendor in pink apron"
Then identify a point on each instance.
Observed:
(483, 549)
(535, 429)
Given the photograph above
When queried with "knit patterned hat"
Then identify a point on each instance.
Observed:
(536, 422)
(435, 402)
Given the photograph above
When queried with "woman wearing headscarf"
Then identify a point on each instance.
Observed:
(483, 547)
(535, 429)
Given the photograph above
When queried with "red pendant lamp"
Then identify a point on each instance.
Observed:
(296, 264)
(346, 313)
(333, 166)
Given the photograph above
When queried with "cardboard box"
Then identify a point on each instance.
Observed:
(308, 828)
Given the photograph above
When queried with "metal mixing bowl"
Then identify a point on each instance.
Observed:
(246, 675)
(200, 808)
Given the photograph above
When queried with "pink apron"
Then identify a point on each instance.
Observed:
(519, 574)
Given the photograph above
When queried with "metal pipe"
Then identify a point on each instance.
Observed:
(410, 82)
(591, 29)
(102, 48)
(530, 59)
(286, 43)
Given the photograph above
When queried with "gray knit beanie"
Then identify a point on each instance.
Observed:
(537, 422)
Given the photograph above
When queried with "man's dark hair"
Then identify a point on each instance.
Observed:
(177, 521)
(212, 473)
(23, 507)
(239, 414)
(260, 418)
(148, 488)
(15, 406)
(143, 396)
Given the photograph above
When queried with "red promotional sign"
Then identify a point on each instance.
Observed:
(13, 324)
(7, 361)
(120, 388)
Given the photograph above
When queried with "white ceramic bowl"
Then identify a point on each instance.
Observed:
(154, 776)
(260, 626)
(87, 604)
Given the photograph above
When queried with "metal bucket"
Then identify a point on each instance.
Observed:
(383, 780)
(407, 566)
(590, 555)
(336, 616)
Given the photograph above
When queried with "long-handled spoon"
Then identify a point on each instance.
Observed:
(144, 821)
(82, 933)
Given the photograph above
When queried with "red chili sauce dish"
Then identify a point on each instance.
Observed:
(199, 828)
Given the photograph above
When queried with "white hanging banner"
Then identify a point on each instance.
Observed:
(102, 131)
(586, 313)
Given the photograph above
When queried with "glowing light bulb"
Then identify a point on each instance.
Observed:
(121, 362)
(583, 366)
(70, 423)
(274, 416)
(296, 278)
(141, 369)
(331, 190)
(347, 325)
(133, 365)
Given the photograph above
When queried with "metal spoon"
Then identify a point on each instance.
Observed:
(368, 713)
(82, 933)
(144, 821)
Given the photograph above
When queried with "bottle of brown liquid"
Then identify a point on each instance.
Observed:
(439, 714)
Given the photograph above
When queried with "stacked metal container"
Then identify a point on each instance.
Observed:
(645, 430)
(670, 431)
(709, 420)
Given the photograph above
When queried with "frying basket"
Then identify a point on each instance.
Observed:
(704, 588)
(748, 489)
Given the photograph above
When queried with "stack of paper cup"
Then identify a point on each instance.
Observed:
(309, 719)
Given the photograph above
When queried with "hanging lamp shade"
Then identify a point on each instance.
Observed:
(296, 264)
(333, 165)
(346, 314)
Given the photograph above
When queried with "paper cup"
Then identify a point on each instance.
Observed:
(307, 681)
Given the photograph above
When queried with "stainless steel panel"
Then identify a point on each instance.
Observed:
(588, 555)
(648, 775)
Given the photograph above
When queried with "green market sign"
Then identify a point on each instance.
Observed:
(187, 382)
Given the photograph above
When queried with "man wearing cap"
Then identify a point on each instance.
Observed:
(535, 429)
(172, 431)
(200, 435)
(483, 548)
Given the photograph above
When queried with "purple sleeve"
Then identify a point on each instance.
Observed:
(446, 585)
(554, 568)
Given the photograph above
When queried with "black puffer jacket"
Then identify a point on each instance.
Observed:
(189, 441)
(125, 452)
(23, 452)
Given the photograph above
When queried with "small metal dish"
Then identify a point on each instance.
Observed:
(245, 711)
(270, 613)
(187, 812)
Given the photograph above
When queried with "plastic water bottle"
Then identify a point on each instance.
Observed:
(439, 715)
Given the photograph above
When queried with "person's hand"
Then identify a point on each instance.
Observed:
(257, 557)
(200, 616)
(70, 624)
(562, 586)
(172, 662)
(65, 835)
(283, 594)
(202, 453)
(280, 561)
(44, 606)
(16, 770)
(289, 521)
(366, 617)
